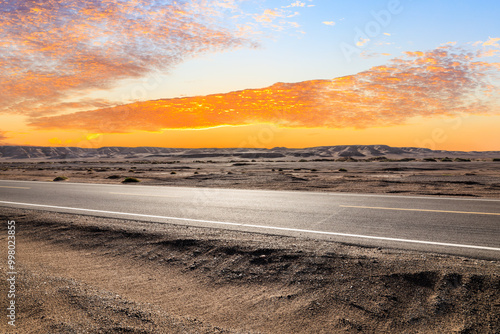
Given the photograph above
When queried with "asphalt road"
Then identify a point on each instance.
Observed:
(459, 226)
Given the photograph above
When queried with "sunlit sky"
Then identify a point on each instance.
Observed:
(250, 73)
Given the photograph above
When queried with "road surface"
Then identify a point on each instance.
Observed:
(459, 226)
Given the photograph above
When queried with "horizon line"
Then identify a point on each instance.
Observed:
(255, 148)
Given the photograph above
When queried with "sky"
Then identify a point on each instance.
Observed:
(250, 73)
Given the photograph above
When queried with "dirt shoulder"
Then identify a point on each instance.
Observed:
(81, 274)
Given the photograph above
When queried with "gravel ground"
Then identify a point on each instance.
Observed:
(471, 179)
(82, 274)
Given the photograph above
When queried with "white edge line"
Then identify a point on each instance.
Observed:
(267, 190)
(264, 227)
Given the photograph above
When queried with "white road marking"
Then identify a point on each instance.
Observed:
(263, 227)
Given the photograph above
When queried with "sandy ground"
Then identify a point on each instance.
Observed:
(92, 275)
(81, 274)
(473, 179)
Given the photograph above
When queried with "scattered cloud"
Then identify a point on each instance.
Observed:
(329, 23)
(362, 41)
(52, 50)
(381, 43)
(367, 54)
(492, 42)
(295, 4)
(490, 53)
(268, 16)
(437, 83)
(276, 19)
(489, 48)
(227, 4)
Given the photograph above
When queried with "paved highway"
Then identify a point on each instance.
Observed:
(460, 226)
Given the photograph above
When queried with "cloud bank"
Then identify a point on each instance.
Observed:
(54, 49)
(447, 81)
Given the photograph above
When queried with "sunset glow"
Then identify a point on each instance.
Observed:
(90, 74)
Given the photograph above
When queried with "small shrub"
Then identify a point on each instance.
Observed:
(302, 160)
(130, 180)
(462, 160)
(342, 170)
(60, 178)
(172, 172)
(496, 159)
(379, 159)
(280, 170)
(114, 177)
(314, 170)
(196, 173)
(430, 160)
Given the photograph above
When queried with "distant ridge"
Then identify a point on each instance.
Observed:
(335, 152)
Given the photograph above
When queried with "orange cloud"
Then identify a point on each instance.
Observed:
(442, 82)
(492, 42)
(54, 49)
(276, 19)
(268, 16)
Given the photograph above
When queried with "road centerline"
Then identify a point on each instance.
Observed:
(264, 227)
(422, 210)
